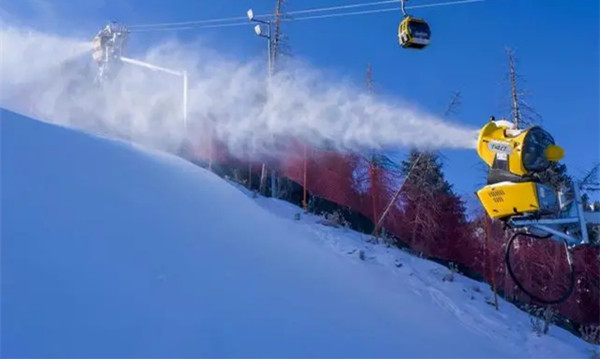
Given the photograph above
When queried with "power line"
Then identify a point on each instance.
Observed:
(342, 7)
(233, 18)
(245, 23)
(364, 12)
(194, 22)
(352, 13)
(444, 4)
(188, 25)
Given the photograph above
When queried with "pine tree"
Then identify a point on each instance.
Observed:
(434, 216)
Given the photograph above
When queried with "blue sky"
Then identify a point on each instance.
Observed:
(556, 43)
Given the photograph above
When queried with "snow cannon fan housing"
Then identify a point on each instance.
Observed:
(514, 157)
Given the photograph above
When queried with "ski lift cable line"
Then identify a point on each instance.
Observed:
(342, 7)
(178, 28)
(233, 18)
(225, 19)
(364, 12)
(194, 22)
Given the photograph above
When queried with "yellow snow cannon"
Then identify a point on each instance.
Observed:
(514, 156)
(515, 194)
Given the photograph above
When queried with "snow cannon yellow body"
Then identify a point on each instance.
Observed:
(514, 157)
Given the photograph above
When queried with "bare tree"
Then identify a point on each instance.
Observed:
(455, 103)
(369, 78)
(522, 113)
(591, 180)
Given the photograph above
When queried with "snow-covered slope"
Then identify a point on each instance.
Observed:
(109, 250)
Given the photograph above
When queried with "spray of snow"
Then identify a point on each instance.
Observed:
(50, 77)
(28, 55)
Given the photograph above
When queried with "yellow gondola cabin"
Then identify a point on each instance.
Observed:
(414, 33)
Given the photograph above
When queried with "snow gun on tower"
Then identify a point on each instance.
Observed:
(108, 47)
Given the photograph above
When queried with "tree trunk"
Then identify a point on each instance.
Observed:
(415, 226)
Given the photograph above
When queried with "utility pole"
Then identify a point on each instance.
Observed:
(275, 49)
(258, 29)
(514, 94)
(273, 37)
(277, 35)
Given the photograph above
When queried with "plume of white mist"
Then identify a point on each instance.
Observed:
(242, 107)
(27, 55)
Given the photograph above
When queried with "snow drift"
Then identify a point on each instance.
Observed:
(110, 250)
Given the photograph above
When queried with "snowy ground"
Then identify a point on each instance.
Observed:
(110, 250)
(471, 303)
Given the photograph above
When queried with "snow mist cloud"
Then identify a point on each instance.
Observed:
(51, 78)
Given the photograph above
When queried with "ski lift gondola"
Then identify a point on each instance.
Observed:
(413, 33)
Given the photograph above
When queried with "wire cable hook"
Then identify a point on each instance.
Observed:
(402, 8)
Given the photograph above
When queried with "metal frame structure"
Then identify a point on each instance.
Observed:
(570, 225)
(109, 46)
(270, 65)
(182, 74)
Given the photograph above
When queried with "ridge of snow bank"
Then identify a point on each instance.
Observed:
(115, 251)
